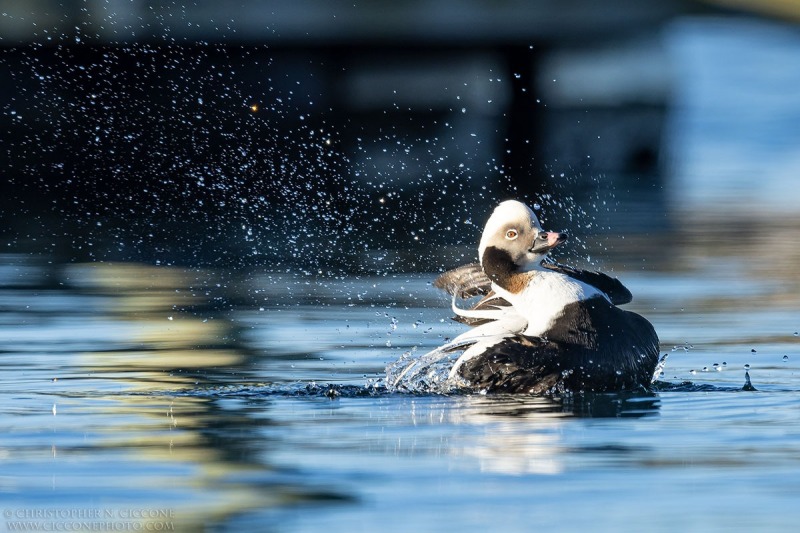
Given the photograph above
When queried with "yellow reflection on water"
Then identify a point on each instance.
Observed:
(145, 307)
(168, 437)
(157, 350)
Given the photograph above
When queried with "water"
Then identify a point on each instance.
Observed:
(152, 388)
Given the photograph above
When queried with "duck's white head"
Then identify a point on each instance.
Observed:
(514, 229)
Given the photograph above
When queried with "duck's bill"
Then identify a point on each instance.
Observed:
(546, 241)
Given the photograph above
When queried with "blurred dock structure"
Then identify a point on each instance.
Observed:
(598, 65)
(331, 22)
(522, 92)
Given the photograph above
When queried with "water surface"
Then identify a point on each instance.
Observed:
(251, 400)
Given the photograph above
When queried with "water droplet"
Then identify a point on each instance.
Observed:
(785, 357)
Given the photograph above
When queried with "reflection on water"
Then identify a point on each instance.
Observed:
(84, 356)
(243, 400)
(523, 435)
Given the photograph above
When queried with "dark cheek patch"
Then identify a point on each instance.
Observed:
(498, 265)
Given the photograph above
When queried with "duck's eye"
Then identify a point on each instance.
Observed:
(512, 234)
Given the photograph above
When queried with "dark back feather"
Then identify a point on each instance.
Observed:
(611, 287)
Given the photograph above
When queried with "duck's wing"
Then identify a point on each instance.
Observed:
(611, 287)
(467, 282)
(493, 319)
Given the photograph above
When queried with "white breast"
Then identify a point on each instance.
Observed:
(542, 301)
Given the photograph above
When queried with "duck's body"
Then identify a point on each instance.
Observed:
(586, 345)
(543, 327)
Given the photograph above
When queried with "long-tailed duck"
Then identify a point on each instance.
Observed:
(541, 327)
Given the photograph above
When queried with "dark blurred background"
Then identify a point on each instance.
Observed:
(337, 137)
